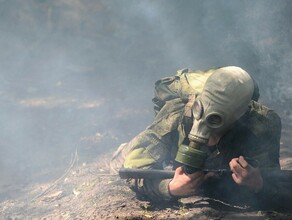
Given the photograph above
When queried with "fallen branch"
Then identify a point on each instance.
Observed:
(54, 184)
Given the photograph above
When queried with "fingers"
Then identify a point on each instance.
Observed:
(184, 184)
(199, 178)
(179, 171)
(243, 163)
(235, 166)
(238, 173)
(196, 178)
(237, 179)
(239, 166)
(196, 175)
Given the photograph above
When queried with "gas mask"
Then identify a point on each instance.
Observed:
(224, 99)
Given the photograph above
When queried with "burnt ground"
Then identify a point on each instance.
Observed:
(87, 190)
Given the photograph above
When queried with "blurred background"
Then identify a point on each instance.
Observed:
(79, 75)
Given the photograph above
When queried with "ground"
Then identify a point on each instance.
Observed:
(89, 191)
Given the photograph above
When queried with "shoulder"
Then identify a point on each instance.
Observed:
(259, 112)
(262, 120)
(193, 81)
(169, 117)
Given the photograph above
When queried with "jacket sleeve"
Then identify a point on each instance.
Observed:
(151, 149)
(268, 133)
(267, 130)
(274, 189)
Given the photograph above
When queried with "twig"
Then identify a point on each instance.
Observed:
(244, 207)
(54, 184)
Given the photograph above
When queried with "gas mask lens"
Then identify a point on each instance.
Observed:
(214, 120)
(198, 109)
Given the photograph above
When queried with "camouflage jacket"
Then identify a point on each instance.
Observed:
(255, 135)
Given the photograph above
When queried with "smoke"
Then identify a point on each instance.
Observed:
(77, 73)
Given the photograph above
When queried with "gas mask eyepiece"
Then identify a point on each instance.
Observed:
(214, 120)
(197, 110)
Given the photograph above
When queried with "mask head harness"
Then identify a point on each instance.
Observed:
(224, 99)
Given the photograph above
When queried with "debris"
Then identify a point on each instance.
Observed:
(53, 196)
(76, 191)
(51, 187)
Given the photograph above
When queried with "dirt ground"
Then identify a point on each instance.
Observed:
(88, 191)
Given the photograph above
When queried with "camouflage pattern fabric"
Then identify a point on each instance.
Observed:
(255, 135)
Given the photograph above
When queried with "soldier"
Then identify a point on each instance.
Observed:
(218, 107)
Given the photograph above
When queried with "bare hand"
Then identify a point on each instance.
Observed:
(246, 175)
(184, 184)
